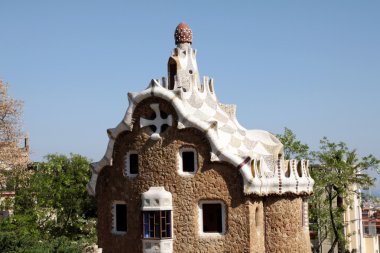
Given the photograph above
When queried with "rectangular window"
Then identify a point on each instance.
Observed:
(157, 224)
(212, 217)
(119, 217)
(188, 161)
(133, 164)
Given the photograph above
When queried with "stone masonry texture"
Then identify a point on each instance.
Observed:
(253, 224)
(283, 225)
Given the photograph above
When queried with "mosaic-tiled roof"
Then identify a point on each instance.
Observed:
(257, 154)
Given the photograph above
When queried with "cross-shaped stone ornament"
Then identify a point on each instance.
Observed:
(158, 122)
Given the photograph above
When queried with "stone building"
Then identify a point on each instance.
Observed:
(180, 174)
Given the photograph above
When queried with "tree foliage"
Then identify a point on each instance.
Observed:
(293, 148)
(13, 159)
(53, 207)
(338, 173)
(10, 114)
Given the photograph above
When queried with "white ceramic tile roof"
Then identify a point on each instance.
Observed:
(253, 152)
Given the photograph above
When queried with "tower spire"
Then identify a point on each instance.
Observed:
(182, 64)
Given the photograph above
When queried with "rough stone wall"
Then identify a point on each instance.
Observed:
(256, 226)
(283, 225)
(158, 166)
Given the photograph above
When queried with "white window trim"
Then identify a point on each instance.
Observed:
(127, 169)
(200, 218)
(180, 163)
(114, 231)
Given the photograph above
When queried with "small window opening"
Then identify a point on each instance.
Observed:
(188, 161)
(119, 217)
(212, 218)
(134, 163)
(131, 164)
(157, 224)
(172, 69)
(299, 169)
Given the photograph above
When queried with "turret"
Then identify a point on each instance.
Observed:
(182, 64)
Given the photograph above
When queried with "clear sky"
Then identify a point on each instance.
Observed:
(312, 66)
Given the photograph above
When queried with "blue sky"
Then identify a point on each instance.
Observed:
(312, 66)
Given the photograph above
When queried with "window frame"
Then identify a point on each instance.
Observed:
(160, 237)
(200, 218)
(180, 163)
(114, 217)
(127, 164)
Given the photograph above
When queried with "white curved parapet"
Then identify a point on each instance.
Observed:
(197, 107)
(229, 141)
(287, 176)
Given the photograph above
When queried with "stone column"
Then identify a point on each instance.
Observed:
(284, 230)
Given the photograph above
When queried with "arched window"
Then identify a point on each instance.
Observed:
(172, 72)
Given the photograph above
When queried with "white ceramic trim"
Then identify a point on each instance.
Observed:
(157, 246)
(156, 199)
(264, 186)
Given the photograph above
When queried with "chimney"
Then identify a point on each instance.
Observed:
(26, 142)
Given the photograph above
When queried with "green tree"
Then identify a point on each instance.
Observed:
(53, 206)
(293, 148)
(338, 173)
